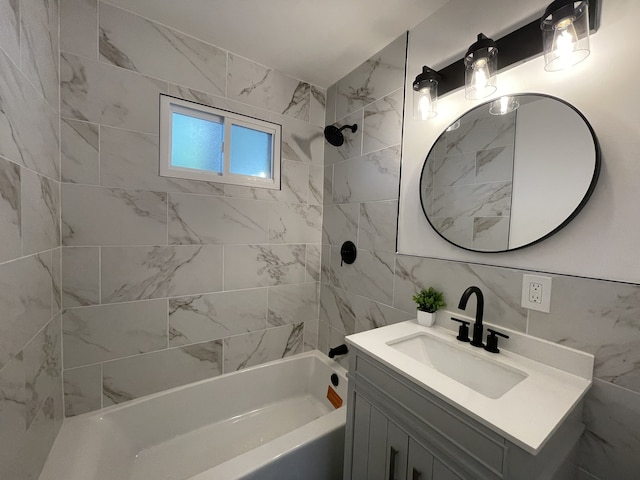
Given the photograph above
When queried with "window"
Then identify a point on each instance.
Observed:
(204, 143)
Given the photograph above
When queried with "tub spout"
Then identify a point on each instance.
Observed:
(339, 350)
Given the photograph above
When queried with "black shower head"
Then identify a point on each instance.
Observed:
(334, 135)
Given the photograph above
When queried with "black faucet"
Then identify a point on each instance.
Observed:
(477, 327)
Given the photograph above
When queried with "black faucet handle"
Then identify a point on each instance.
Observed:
(463, 331)
(492, 340)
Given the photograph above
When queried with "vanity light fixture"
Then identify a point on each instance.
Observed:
(480, 67)
(560, 20)
(425, 94)
(565, 34)
(503, 105)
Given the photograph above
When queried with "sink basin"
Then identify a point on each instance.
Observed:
(461, 364)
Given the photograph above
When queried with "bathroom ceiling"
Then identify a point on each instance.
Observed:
(315, 41)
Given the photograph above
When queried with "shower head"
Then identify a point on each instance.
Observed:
(334, 135)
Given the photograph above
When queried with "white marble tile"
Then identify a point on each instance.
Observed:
(317, 106)
(473, 135)
(294, 188)
(80, 276)
(40, 213)
(310, 335)
(25, 302)
(327, 188)
(135, 43)
(40, 437)
(313, 260)
(263, 87)
(458, 230)
(13, 423)
(130, 160)
(383, 123)
(370, 314)
(213, 316)
(323, 336)
(56, 280)
(108, 95)
(501, 287)
(110, 216)
(371, 177)
(79, 27)
(106, 332)
(602, 318)
(352, 146)
(247, 266)
(316, 185)
(337, 309)
(610, 446)
(139, 273)
(377, 226)
(495, 164)
(490, 233)
(39, 46)
(250, 349)
(10, 211)
(26, 116)
(10, 28)
(453, 169)
(340, 223)
(141, 375)
(300, 141)
(481, 200)
(42, 365)
(200, 219)
(325, 264)
(295, 223)
(290, 304)
(82, 390)
(79, 158)
(222, 102)
(330, 113)
(371, 275)
(382, 74)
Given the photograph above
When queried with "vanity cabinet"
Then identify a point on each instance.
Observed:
(396, 430)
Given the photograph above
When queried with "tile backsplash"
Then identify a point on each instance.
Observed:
(167, 281)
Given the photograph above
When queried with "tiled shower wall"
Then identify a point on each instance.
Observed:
(169, 281)
(30, 325)
(361, 192)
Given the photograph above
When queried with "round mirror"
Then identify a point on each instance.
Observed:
(509, 173)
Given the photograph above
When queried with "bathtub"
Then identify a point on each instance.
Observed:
(273, 421)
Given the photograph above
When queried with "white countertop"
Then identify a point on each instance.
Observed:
(527, 415)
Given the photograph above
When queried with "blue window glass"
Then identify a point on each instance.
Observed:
(250, 152)
(196, 143)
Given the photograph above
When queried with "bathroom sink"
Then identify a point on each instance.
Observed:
(464, 365)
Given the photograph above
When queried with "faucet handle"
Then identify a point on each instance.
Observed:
(463, 331)
(492, 340)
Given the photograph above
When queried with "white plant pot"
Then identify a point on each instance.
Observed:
(425, 318)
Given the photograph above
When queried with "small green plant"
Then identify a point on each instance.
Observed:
(429, 300)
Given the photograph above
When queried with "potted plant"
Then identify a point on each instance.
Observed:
(428, 302)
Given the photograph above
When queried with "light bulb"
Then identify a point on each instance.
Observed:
(480, 76)
(503, 105)
(565, 41)
(424, 104)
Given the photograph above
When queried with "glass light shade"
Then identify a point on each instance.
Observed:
(425, 101)
(565, 34)
(480, 67)
(503, 105)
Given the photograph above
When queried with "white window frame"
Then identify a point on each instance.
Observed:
(169, 105)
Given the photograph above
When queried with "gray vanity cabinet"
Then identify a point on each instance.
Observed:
(397, 430)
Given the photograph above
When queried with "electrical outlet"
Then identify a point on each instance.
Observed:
(536, 293)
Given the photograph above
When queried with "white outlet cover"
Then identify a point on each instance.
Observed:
(545, 304)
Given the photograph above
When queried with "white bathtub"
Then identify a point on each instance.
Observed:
(272, 421)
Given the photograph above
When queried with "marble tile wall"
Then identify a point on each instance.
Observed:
(31, 401)
(361, 194)
(168, 281)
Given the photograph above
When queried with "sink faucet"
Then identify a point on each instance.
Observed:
(477, 327)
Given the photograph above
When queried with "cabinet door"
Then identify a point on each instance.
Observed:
(360, 446)
(419, 463)
(441, 472)
(377, 446)
(397, 447)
